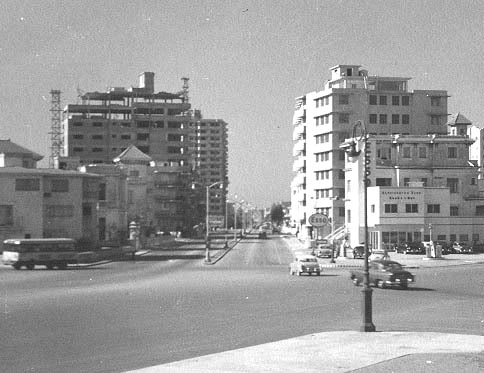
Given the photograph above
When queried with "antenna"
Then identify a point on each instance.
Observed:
(56, 128)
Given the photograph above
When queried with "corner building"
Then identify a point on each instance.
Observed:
(324, 119)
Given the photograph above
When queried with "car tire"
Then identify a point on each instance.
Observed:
(404, 286)
(318, 273)
(17, 266)
(30, 265)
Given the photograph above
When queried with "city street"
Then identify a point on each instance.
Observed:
(129, 315)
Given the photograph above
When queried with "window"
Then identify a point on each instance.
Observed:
(6, 215)
(348, 216)
(383, 119)
(452, 152)
(435, 101)
(406, 181)
(143, 136)
(383, 100)
(453, 185)
(435, 120)
(422, 152)
(372, 99)
(102, 192)
(77, 124)
(391, 208)
(27, 185)
(424, 181)
(78, 137)
(454, 210)
(97, 124)
(480, 210)
(395, 100)
(160, 124)
(373, 118)
(97, 150)
(380, 181)
(411, 207)
(60, 185)
(395, 118)
(60, 211)
(97, 137)
(341, 212)
(77, 149)
(126, 137)
(405, 119)
(407, 152)
(433, 209)
(405, 100)
(143, 124)
(344, 118)
(344, 99)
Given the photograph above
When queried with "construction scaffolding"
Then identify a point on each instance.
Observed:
(55, 133)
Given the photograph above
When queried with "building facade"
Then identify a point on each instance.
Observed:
(104, 124)
(210, 148)
(324, 119)
(420, 188)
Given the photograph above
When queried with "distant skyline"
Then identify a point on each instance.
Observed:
(246, 60)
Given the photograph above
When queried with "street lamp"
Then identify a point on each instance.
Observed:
(207, 217)
(350, 149)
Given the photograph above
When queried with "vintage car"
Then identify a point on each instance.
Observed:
(324, 249)
(461, 248)
(305, 264)
(410, 248)
(358, 251)
(384, 273)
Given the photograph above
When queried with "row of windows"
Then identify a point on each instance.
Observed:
(321, 139)
(397, 237)
(322, 157)
(412, 208)
(452, 183)
(395, 118)
(396, 100)
(139, 124)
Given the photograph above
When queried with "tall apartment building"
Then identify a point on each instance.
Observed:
(324, 119)
(104, 124)
(210, 141)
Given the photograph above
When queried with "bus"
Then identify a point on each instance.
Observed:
(29, 252)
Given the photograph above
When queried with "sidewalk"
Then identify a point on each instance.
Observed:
(345, 352)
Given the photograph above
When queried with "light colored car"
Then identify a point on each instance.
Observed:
(305, 264)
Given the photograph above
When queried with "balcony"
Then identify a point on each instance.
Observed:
(299, 131)
(299, 163)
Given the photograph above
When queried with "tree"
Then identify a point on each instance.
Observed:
(277, 214)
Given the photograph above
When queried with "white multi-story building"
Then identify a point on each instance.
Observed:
(324, 119)
(421, 188)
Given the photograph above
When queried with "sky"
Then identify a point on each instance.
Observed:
(247, 61)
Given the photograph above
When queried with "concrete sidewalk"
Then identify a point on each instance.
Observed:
(345, 352)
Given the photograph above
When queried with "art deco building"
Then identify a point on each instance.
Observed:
(324, 119)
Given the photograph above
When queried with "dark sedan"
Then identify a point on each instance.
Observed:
(384, 273)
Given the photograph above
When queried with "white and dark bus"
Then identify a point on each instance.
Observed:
(49, 252)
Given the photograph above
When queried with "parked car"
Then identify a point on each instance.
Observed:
(359, 251)
(384, 273)
(461, 248)
(410, 248)
(305, 264)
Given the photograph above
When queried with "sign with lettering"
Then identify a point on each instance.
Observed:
(318, 220)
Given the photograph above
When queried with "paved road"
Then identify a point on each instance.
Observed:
(124, 316)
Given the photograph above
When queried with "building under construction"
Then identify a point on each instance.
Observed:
(103, 125)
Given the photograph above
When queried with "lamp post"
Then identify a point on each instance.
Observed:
(350, 148)
(207, 217)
